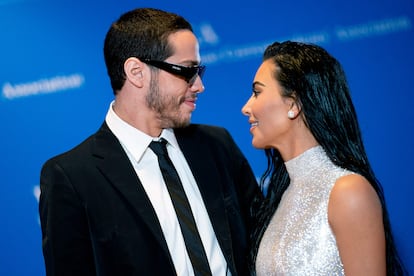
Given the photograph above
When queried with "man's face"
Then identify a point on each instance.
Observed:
(170, 95)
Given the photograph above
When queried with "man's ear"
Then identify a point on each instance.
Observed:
(133, 69)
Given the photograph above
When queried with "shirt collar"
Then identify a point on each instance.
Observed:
(134, 140)
(168, 134)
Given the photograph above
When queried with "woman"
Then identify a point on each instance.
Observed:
(324, 212)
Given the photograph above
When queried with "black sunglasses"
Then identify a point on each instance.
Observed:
(189, 73)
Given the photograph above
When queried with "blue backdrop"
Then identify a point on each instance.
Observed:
(55, 91)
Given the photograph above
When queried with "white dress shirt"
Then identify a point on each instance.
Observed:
(145, 163)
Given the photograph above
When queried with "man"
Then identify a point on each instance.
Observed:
(105, 206)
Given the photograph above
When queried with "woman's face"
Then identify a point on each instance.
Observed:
(268, 110)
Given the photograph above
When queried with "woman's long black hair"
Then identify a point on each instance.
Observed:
(317, 83)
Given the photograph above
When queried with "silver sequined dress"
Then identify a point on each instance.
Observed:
(299, 240)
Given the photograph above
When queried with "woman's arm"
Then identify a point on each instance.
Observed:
(355, 215)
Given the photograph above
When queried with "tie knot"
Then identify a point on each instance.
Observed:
(159, 147)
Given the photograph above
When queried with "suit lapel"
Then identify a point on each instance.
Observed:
(113, 162)
(207, 175)
(115, 165)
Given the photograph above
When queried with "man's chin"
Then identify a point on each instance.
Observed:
(182, 124)
(179, 122)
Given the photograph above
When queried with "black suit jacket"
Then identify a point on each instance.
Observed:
(96, 218)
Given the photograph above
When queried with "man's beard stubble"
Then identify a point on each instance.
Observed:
(167, 108)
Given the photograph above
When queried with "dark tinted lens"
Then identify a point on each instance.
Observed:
(198, 71)
(188, 73)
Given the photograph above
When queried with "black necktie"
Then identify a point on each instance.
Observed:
(182, 208)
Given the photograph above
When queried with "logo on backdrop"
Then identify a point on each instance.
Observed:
(207, 35)
(43, 86)
(321, 37)
(36, 193)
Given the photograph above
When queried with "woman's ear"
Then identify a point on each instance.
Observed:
(294, 109)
